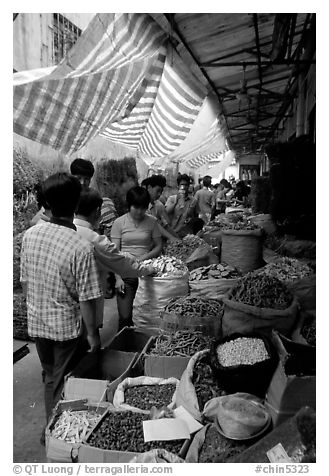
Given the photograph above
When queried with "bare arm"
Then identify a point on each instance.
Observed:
(88, 313)
(156, 250)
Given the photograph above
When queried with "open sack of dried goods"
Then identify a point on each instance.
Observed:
(259, 304)
(239, 416)
(210, 446)
(192, 313)
(119, 437)
(244, 363)
(180, 343)
(299, 278)
(168, 354)
(188, 246)
(143, 393)
(242, 244)
(154, 293)
(213, 281)
(69, 426)
(198, 385)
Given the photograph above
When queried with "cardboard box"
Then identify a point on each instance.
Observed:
(287, 393)
(133, 339)
(97, 376)
(60, 451)
(165, 367)
(91, 454)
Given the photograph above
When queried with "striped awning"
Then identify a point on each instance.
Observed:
(201, 160)
(122, 80)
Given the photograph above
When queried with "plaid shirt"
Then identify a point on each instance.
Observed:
(60, 270)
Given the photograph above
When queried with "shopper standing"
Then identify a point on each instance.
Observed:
(181, 208)
(60, 277)
(137, 234)
(205, 200)
(106, 253)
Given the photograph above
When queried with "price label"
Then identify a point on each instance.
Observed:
(278, 454)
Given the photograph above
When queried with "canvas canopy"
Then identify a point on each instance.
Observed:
(122, 80)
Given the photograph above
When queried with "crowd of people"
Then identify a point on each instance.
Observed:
(78, 251)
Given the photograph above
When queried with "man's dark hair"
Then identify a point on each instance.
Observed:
(40, 197)
(145, 182)
(138, 197)
(156, 180)
(206, 181)
(62, 192)
(90, 200)
(184, 178)
(226, 183)
(82, 167)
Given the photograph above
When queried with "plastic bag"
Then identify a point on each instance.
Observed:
(157, 456)
(153, 295)
(186, 395)
(119, 395)
(240, 415)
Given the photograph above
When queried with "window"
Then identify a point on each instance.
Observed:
(65, 35)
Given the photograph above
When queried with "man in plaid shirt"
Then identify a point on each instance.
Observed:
(61, 281)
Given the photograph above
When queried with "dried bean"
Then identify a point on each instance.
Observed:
(242, 351)
(123, 431)
(147, 396)
(182, 343)
(262, 291)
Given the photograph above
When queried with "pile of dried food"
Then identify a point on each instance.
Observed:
(240, 222)
(145, 397)
(218, 449)
(181, 343)
(167, 266)
(123, 431)
(73, 426)
(287, 269)
(241, 351)
(262, 291)
(214, 271)
(205, 383)
(182, 249)
(194, 307)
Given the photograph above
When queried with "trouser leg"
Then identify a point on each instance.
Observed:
(125, 302)
(57, 359)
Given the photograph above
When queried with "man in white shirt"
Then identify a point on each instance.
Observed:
(107, 256)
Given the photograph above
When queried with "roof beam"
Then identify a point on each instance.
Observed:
(255, 63)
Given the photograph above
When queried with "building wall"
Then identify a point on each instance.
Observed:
(33, 38)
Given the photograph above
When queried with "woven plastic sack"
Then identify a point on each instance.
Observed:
(196, 445)
(153, 295)
(157, 456)
(186, 395)
(239, 415)
(264, 220)
(119, 395)
(245, 319)
(305, 291)
(211, 288)
(243, 249)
